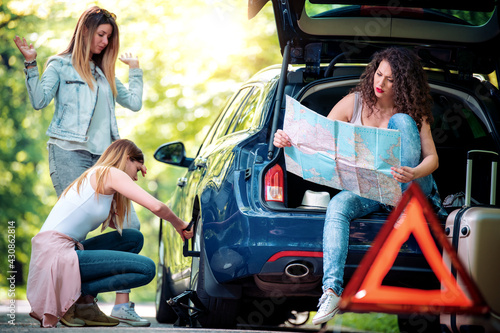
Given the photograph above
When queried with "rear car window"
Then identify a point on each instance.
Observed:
(229, 115)
(478, 17)
(248, 113)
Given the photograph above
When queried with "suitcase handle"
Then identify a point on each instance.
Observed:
(468, 181)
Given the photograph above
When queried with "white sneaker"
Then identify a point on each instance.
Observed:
(125, 313)
(328, 307)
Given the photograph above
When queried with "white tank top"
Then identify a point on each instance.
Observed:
(356, 113)
(76, 214)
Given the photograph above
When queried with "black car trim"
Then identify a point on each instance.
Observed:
(279, 99)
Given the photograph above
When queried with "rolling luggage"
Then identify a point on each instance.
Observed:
(474, 232)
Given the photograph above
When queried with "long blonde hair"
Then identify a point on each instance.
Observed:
(79, 46)
(115, 156)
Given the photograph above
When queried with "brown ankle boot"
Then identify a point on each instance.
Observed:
(93, 316)
(70, 320)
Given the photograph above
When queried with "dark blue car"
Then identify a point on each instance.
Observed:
(256, 258)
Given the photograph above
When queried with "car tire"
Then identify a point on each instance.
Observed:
(221, 312)
(164, 312)
(419, 323)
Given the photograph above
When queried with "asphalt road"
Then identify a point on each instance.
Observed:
(24, 323)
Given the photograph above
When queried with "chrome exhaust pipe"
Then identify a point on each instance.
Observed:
(296, 270)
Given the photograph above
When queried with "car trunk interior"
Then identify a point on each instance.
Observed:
(459, 126)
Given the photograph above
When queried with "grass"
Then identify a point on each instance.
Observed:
(370, 322)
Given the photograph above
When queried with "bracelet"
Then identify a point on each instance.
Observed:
(29, 63)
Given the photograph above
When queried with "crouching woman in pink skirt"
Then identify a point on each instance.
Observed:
(67, 271)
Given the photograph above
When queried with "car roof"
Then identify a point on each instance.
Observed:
(449, 33)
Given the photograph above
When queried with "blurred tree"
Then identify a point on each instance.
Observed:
(25, 189)
(194, 54)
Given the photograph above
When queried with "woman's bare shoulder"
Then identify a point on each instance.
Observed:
(114, 171)
(343, 109)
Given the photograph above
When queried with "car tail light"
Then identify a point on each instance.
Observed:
(274, 184)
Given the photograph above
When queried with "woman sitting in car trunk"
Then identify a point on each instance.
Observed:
(392, 93)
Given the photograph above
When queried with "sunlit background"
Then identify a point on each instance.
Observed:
(194, 54)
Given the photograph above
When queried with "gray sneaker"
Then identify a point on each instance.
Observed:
(125, 313)
(328, 307)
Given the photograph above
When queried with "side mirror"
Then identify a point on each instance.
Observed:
(173, 153)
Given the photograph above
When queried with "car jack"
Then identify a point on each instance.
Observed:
(187, 314)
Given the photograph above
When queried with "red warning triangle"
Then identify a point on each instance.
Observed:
(365, 291)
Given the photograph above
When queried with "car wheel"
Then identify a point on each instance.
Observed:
(221, 313)
(164, 312)
(298, 318)
(419, 323)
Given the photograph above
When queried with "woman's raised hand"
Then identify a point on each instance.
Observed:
(28, 51)
(129, 59)
(281, 139)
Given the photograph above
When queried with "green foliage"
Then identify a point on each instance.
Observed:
(369, 322)
(194, 53)
(25, 189)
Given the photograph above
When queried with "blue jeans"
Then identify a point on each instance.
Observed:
(67, 165)
(109, 262)
(347, 206)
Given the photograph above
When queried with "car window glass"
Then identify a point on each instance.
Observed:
(231, 112)
(247, 114)
(477, 17)
(215, 126)
(455, 124)
(458, 128)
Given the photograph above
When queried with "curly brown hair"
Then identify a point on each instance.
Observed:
(410, 86)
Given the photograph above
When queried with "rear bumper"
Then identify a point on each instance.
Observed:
(260, 248)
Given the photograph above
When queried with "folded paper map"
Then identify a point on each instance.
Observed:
(342, 155)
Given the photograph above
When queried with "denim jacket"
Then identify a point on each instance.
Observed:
(74, 100)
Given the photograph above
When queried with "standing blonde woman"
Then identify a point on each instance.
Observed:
(67, 271)
(82, 82)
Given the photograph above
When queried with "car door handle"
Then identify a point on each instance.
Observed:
(200, 163)
(181, 182)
